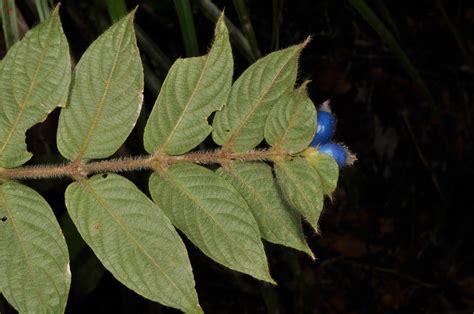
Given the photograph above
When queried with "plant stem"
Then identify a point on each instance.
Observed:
(79, 169)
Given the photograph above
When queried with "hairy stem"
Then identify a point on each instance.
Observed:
(78, 169)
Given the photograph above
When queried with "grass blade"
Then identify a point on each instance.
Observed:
(186, 21)
(212, 12)
(277, 6)
(387, 17)
(117, 9)
(245, 21)
(43, 9)
(9, 22)
(370, 17)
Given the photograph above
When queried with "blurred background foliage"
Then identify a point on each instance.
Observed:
(398, 236)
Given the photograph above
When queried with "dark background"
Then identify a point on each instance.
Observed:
(398, 236)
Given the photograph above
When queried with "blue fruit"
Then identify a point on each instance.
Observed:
(326, 128)
(340, 153)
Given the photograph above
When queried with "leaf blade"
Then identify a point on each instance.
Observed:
(302, 188)
(34, 261)
(328, 171)
(292, 122)
(277, 222)
(135, 233)
(193, 89)
(34, 79)
(239, 126)
(106, 96)
(212, 215)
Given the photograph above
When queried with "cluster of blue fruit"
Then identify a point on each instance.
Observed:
(322, 139)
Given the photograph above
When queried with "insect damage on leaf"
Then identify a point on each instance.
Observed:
(255, 194)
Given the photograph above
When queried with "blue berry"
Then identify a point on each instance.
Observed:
(326, 128)
(340, 153)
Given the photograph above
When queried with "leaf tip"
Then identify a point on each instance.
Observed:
(220, 24)
(56, 9)
(222, 15)
(305, 42)
(198, 308)
(134, 10)
(132, 13)
(267, 277)
(272, 281)
(303, 87)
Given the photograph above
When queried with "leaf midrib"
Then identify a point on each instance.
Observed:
(163, 146)
(203, 208)
(186, 107)
(257, 195)
(289, 125)
(242, 123)
(22, 246)
(22, 106)
(85, 144)
(123, 227)
(283, 167)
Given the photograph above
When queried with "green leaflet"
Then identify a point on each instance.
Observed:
(291, 122)
(193, 89)
(212, 215)
(133, 239)
(239, 126)
(106, 96)
(328, 171)
(301, 185)
(34, 79)
(277, 222)
(34, 261)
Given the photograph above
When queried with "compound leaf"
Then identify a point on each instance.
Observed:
(301, 185)
(192, 90)
(133, 239)
(239, 126)
(106, 96)
(34, 261)
(34, 79)
(211, 213)
(277, 222)
(291, 122)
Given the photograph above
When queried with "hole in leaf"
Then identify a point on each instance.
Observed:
(4, 218)
(104, 175)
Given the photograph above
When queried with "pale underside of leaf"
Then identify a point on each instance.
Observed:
(240, 124)
(34, 261)
(291, 122)
(133, 239)
(192, 90)
(277, 222)
(328, 171)
(211, 213)
(106, 96)
(34, 79)
(301, 185)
